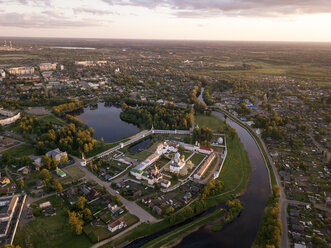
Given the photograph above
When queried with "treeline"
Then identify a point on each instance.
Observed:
(221, 85)
(10, 160)
(213, 187)
(203, 135)
(198, 106)
(71, 138)
(67, 107)
(76, 121)
(161, 117)
(272, 126)
(269, 234)
(206, 95)
(242, 109)
(195, 208)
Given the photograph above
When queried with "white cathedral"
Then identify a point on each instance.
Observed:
(177, 164)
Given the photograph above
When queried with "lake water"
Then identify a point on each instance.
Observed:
(106, 122)
(73, 48)
(140, 146)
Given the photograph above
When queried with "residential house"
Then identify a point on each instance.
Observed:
(117, 224)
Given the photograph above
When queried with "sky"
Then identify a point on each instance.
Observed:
(248, 20)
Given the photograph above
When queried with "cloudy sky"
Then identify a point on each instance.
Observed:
(275, 20)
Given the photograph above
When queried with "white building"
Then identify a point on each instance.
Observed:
(205, 166)
(177, 164)
(2, 74)
(21, 70)
(7, 206)
(57, 154)
(10, 116)
(117, 225)
(47, 66)
(83, 162)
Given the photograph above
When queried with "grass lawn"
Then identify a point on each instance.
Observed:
(74, 172)
(169, 239)
(131, 219)
(101, 147)
(197, 158)
(53, 119)
(105, 215)
(235, 172)
(50, 231)
(100, 232)
(21, 150)
(97, 233)
(210, 121)
(142, 230)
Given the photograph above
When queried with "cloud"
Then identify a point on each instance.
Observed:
(47, 19)
(28, 2)
(212, 8)
(93, 11)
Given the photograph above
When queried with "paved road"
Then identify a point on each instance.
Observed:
(131, 140)
(133, 208)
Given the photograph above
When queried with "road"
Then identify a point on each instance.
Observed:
(131, 140)
(132, 207)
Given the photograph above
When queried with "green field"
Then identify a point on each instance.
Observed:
(197, 158)
(51, 232)
(209, 121)
(53, 119)
(20, 151)
(74, 172)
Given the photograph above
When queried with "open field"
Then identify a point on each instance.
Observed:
(50, 231)
(74, 172)
(20, 150)
(208, 121)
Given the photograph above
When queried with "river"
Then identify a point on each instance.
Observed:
(242, 231)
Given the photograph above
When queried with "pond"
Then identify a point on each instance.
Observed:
(142, 145)
(106, 122)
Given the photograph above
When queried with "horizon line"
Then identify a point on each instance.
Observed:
(164, 39)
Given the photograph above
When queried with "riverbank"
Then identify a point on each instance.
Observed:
(173, 238)
(270, 230)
